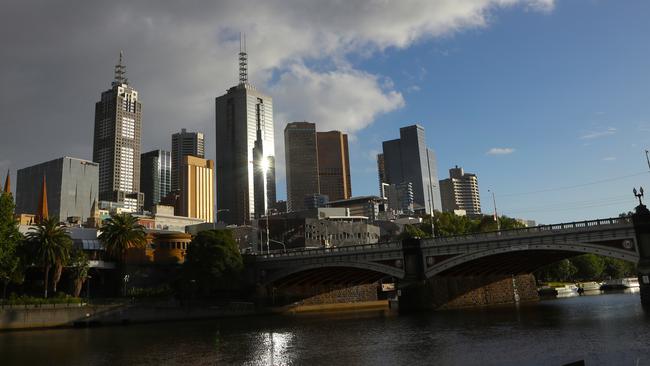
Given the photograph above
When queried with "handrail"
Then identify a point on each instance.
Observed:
(446, 239)
(536, 229)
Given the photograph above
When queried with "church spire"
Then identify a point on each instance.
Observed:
(120, 72)
(7, 188)
(42, 213)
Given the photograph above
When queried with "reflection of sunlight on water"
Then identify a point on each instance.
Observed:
(273, 347)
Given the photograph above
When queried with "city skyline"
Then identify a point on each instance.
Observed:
(592, 140)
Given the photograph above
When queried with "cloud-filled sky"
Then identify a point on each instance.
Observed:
(528, 94)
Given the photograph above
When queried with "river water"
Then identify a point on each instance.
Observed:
(608, 329)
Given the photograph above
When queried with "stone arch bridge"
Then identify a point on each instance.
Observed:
(485, 256)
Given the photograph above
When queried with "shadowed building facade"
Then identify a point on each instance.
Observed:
(116, 144)
(155, 176)
(71, 185)
(408, 159)
(334, 165)
(300, 151)
(185, 143)
(245, 156)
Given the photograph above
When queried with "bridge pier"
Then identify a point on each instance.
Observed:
(641, 220)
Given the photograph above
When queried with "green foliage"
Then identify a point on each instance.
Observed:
(29, 300)
(148, 292)
(617, 268)
(561, 271)
(120, 233)
(11, 266)
(213, 263)
(589, 266)
(412, 231)
(78, 270)
(50, 246)
(449, 224)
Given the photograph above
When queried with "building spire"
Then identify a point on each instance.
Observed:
(243, 60)
(120, 72)
(42, 213)
(7, 188)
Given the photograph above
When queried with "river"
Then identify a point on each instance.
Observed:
(607, 329)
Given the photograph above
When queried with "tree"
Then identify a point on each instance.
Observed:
(50, 245)
(78, 270)
(412, 231)
(618, 268)
(589, 266)
(120, 233)
(213, 262)
(11, 268)
(559, 271)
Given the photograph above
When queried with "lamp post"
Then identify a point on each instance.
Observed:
(638, 194)
(496, 215)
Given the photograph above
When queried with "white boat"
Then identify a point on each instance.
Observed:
(589, 287)
(567, 291)
(620, 283)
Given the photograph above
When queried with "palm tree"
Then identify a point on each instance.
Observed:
(51, 246)
(120, 233)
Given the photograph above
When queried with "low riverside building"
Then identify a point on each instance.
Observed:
(368, 206)
(163, 247)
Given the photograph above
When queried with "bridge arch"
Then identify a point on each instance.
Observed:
(521, 258)
(380, 269)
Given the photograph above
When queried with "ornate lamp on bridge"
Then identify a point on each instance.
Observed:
(638, 195)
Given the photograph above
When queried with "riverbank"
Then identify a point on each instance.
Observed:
(21, 317)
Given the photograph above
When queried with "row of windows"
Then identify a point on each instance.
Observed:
(170, 245)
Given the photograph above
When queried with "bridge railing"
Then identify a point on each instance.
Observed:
(532, 230)
(301, 252)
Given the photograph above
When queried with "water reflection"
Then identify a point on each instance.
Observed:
(610, 329)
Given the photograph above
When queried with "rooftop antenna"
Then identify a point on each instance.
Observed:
(243, 60)
(120, 72)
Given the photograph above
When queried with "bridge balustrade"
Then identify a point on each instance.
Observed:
(323, 251)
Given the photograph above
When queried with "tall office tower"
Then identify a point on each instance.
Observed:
(197, 188)
(185, 143)
(155, 176)
(460, 192)
(334, 165)
(301, 158)
(72, 186)
(408, 159)
(245, 155)
(381, 173)
(116, 144)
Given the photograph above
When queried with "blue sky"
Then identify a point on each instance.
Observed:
(563, 85)
(568, 90)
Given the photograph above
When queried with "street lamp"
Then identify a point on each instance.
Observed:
(496, 215)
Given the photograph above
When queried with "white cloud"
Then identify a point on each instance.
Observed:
(182, 55)
(500, 151)
(597, 134)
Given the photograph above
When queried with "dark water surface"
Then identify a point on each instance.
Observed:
(603, 330)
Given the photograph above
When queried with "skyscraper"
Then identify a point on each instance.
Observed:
(72, 186)
(334, 165)
(245, 156)
(116, 144)
(155, 176)
(185, 143)
(197, 188)
(300, 151)
(460, 192)
(408, 159)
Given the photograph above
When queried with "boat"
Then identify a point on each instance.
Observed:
(589, 288)
(620, 284)
(567, 291)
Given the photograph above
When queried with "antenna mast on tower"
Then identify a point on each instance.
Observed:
(243, 60)
(120, 72)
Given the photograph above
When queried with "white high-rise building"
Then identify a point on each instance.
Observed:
(460, 192)
(245, 156)
(116, 144)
